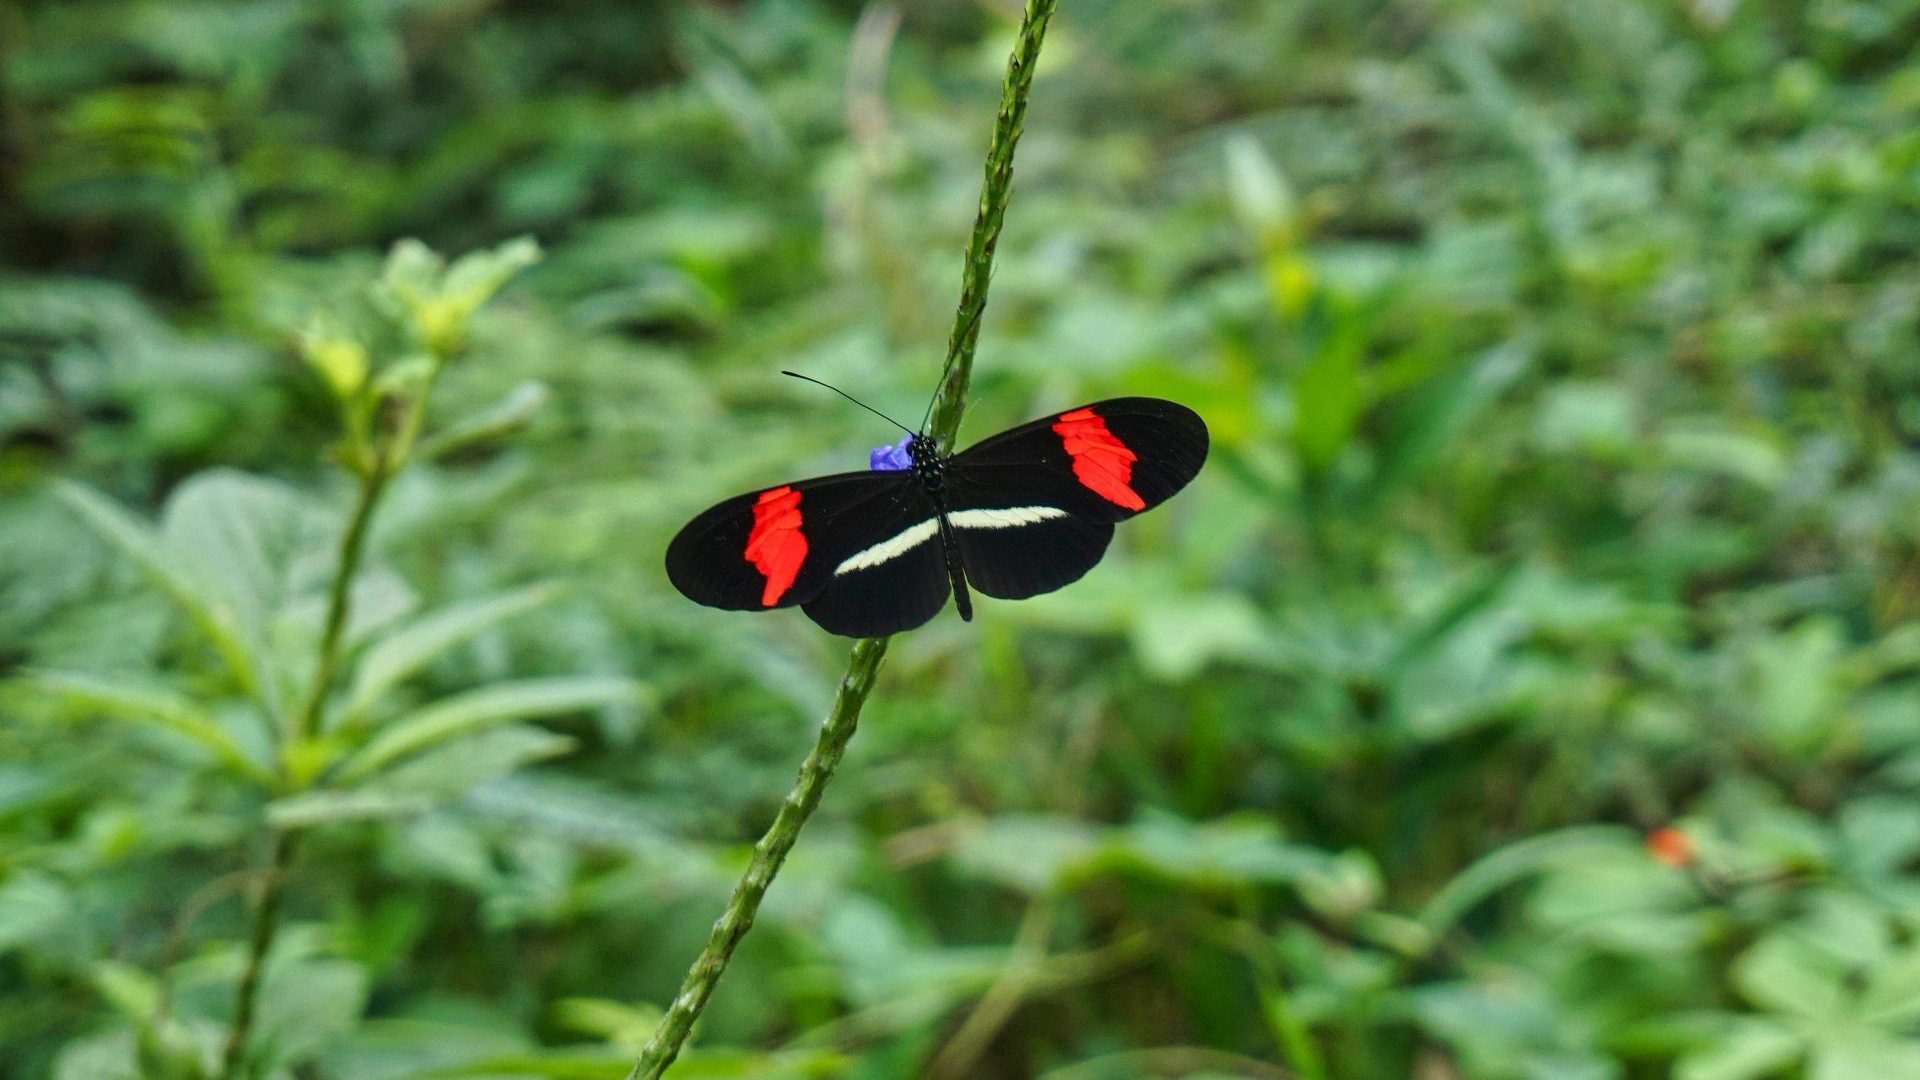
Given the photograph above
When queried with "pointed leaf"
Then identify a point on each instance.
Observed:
(360, 804)
(249, 537)
(413, 646)
(478, 710)
(1747, 1051)
(1328, 395)
(457, 767)
(1850, 1054)
(508, 415)
(1892, 996)
(175, 576)
(424, 781)
(155, 707)
(1785, 974)
(1514, 863)
(1446, 412)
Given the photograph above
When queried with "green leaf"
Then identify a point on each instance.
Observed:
(1515, 863)
(1892, 996)
(1784, 974)
(1863, 1054)
(477, 710)
(158, 708)
(333, 807)
(1028, 853)
(424, 781)
(439, 300)
(476, 276)
(1715, 446)
(409, 648)
(1328, 394)
(306, 1005)
(180, 580)
(1441, 415)
(129, 989)
(1177, 636)
(1227, 853)
(510, 414)
(99, 1057)
(242, 532)
(459, 766)
(1259, 192)
(1799, 686)
(603, 1018)
(1424, 635)
(32, 907)
(1749, 1049)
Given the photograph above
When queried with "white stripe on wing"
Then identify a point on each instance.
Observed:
(891, 548)
(913, 536)
(1004, 519)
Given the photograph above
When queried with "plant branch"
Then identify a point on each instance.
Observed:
(266, 923)
(977, 272)
(339, 598)
(386, 461)
(266, 912)
(768, 855)
(864, 665)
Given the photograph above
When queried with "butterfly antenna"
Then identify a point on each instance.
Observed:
(855, 400)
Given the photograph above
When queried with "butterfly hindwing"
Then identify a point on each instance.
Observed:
(1109, 460)
(778, 547)
(895, 583)
(1014, 553)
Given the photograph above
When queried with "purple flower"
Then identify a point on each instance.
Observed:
(894, 458)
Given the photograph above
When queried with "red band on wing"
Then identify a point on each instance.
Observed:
(1102, 462)
(776, 546)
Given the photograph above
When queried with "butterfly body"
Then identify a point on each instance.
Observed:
(872, 553)
(929, 470)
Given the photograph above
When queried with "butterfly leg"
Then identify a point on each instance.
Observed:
(962, 600)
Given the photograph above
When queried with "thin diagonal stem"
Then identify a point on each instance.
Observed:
(283, 844)
(339, 599)
(768, 855)
(949, 405)
(977, 272)
(266, 921)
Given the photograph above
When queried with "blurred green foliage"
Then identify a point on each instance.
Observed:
(1561, 362)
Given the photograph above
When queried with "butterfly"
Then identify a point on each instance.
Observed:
(867, 554)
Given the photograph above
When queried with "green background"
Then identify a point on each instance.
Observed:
(1560, 359)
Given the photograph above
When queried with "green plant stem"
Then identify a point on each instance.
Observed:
(977, 272)
(949, 405)
(266, 923)
(266, 913)
(768, 854)
(339, 597)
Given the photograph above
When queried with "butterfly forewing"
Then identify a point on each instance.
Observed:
(779, 546)
(1110, 460)
(894, 584)
(1033, 508)
(1013, 561)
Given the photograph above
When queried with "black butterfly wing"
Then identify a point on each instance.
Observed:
(1033, 508)
(895, 583)
(778, 547)
(1111, 459)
